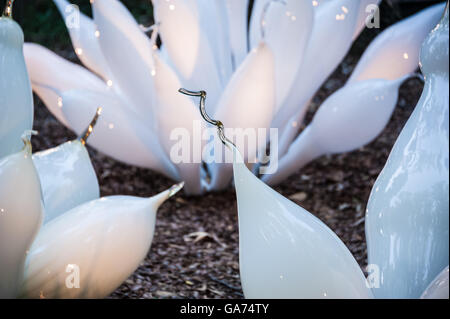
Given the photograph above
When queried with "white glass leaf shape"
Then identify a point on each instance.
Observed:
(247, 104)
(51, 74)
(350, 118)
(395, 52)
(118, 133)
(339, 16)
(16, 99)
(237, 11)
(188, 47)
(286, 252)
(128, 53)
(407, 214)
(67, 178)
(287, 28)
(21, 214)
(180, 126)
(102, 242)
(84, 36)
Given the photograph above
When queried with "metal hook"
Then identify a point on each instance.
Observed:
(8, 9)
(264, 13)
(206, 117)
(83, 137)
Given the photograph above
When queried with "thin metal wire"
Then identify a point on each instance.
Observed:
(8, 9)
(206, 117)
(83, 137)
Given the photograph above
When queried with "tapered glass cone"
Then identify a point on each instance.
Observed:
(285, 252)
(93, 247)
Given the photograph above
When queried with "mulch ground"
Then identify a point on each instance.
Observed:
(195, 249)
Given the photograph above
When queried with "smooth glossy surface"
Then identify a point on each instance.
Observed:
(439, 288)
(21, 215)
(395, 52)
(286, 27)
(118, 133)
(16, 99)
(179, 115)
(49, 74)
(104, 240)
(407, 215)
(84, 39)
(188, 46)
(131, 67)
(350, 118)
(247, 103)
(285, 252)
(67, 178)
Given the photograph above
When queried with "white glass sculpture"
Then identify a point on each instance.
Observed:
(439, 288)
(349, 119)
(90, 250)
(16, 99)
(67, 176)
(284, 251)
(204, 46)
(255, 111)
(407, 214)
(21, 214)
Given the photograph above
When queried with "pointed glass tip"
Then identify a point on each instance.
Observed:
(175, 189)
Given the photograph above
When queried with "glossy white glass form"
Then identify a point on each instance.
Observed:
(16, 99)
(118, 133)
(67, 178)
(339, 16)
(286, 252)
(349, 119)
(131, 68)
(407, 215)
(51, 74)
(213, 17)
(287, 28)
(439, 288)
(102, 241)
(247, 103)
(84, 37)
(21, 215)
(237, 11)
(395, 52)
(188, 46)
(179, 123)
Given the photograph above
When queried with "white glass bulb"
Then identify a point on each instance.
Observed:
(97, 245)
(67, 178)
(285, 252)
(16, 99)
(407, 214)
(350, 118)
(21, 214)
